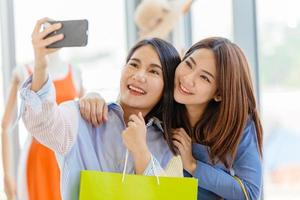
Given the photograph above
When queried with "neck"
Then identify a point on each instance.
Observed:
(194, 113)
(130, 111)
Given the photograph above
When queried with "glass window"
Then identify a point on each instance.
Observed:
(279, 41)
(206, 24)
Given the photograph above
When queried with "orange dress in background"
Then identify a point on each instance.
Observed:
(43, 175)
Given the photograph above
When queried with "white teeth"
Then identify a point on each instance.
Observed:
(136, 89)
(184, 89)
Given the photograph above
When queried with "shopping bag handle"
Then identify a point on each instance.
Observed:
(125, 166)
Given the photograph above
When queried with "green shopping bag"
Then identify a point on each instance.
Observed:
(96, 185)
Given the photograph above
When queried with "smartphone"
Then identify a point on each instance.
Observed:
(75, 33)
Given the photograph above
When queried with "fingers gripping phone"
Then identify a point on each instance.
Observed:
(75, 33)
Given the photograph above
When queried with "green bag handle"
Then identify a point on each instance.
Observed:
(125, 166)
(242, 186)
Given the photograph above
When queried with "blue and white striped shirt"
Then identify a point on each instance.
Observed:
(80, 146)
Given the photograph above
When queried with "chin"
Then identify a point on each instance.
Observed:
(178, 99)
(133, 103)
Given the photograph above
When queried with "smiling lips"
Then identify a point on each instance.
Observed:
(184, 90)
(136, 90)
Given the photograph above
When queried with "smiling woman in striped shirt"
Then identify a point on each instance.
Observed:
(133, 123)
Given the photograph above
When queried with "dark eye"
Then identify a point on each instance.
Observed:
(205, 78)
(133, 64)
(188, 64)
(154, 72)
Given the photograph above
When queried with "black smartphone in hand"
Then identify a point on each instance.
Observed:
(75, 33)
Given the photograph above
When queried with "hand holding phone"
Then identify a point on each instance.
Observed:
(75, 33)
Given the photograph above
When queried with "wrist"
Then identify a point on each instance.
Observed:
(191, 167)
(141, 153)
(141, 161)
(40, 62)
(40, 66)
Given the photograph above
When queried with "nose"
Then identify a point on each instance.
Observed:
(189, 79)
(140, 76)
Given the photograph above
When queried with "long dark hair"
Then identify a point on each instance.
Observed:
(222, 123)
(169, 59)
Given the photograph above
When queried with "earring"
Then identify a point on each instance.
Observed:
(218, 98)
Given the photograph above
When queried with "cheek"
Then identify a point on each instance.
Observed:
(205, 91)
(123, 80)
(157, 87)
(212, 89)
(177, 75)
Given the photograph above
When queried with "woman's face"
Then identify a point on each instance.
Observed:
(142, 83)
(195, 79)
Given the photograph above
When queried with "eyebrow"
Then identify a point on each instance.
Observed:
(135, 59)
(152, 64)
(192, 59)
(155, 65)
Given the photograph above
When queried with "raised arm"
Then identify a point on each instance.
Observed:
(40, 44)
(52, 125)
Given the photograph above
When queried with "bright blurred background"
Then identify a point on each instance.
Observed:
(277, 27)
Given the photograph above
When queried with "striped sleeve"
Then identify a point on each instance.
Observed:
(52, 125)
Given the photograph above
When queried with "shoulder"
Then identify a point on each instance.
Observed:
(248, 144)
(114, 109)
(71, 111)
(71, 107)
(249, 133)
